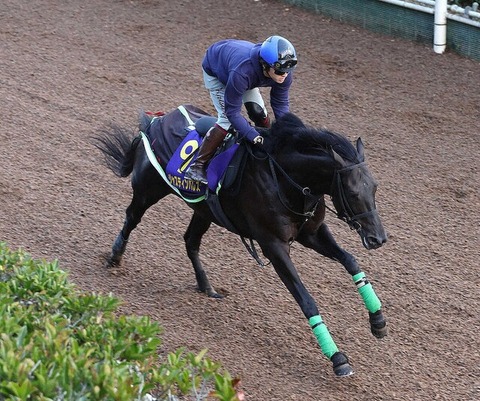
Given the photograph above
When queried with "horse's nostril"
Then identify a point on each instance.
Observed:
(376, 242)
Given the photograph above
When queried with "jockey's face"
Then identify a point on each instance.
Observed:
(277, 76)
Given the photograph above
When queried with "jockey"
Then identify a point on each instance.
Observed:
(233, 71)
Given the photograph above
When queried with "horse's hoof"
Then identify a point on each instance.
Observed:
(215, 295)
(111, 262)
(378, 325)
(379, 332)
(344, 371)
(341, 367)
(211, 293)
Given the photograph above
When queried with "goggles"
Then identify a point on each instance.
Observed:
(284, 66)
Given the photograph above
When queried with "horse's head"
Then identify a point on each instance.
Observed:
(305, 150)
(353, 195)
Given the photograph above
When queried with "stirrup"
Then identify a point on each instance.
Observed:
(193, 175)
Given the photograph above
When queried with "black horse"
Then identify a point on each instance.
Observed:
(279, 199)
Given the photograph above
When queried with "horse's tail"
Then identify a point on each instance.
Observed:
(118, 146)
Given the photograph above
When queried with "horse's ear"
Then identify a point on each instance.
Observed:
(360, 149)
(338, 159)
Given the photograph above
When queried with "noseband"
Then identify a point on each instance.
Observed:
(345, 211)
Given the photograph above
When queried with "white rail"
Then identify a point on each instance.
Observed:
(410, 5)
(442, 12)
(468, 15)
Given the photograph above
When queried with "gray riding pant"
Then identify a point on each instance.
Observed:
(217, 94)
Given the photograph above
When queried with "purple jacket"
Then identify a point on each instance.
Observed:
(236, 64)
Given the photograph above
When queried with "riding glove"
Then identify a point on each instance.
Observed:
(258, 140)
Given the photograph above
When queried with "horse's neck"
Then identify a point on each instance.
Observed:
(307, 171)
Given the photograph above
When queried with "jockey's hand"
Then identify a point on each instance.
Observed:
(258, 140)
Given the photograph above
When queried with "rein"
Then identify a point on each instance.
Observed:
(311, 201)
(307, 211)
(309, 198)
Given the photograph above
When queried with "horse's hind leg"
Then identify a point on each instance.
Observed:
(323, 242)
(144, 196)
(193, 237)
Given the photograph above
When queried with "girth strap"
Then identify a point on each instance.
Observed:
(215, 207)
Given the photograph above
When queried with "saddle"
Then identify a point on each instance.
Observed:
(171, 142)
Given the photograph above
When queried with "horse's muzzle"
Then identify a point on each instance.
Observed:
(373, 241)
(370, 229)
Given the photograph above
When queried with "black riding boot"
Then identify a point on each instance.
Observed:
(213, 139)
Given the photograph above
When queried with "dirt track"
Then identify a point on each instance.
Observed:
(69, 67)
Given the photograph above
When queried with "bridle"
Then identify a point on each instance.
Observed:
(345, 211)
(337, 193)
(310, 200)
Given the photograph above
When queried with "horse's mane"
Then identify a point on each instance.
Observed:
(289, 133)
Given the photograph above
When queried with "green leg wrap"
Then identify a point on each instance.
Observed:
(324, 339)
(367, 292)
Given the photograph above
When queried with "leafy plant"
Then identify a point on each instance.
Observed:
(57, 343)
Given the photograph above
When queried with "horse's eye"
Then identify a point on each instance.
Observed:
(355, 195)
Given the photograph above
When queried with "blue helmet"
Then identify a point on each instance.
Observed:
(278, 53)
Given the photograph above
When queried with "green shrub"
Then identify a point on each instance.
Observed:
(57, 343)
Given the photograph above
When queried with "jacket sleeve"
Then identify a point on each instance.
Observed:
(235, 88)
(279, 97)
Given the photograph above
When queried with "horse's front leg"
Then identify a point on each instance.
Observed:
(193, 237)
(278, 254)
(323, 242)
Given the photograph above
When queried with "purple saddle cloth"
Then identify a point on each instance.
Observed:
(174, 142)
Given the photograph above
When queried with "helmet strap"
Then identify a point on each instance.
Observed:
(264, 65)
